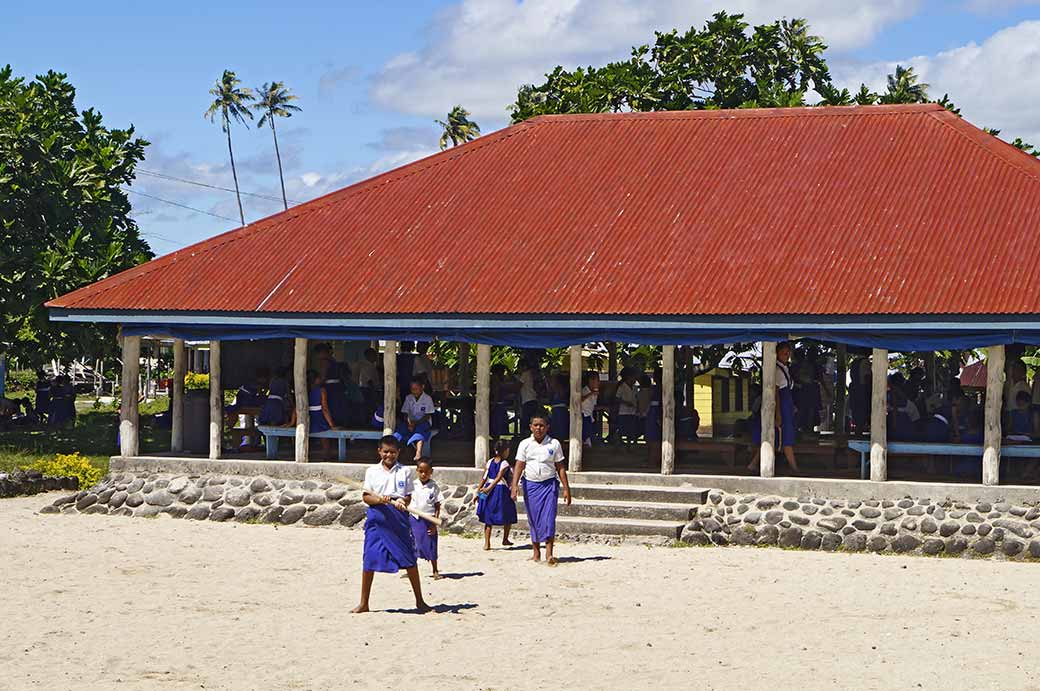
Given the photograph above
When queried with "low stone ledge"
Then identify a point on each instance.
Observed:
(20, 483)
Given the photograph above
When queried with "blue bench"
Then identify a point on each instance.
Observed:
(920, 448)
(342, 436)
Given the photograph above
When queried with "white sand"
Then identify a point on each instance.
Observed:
(119, 603)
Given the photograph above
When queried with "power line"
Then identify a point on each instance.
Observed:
(186, 181)
(183, 206)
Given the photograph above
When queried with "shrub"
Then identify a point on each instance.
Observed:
(70, 465)
(194, 381)
(21, 380)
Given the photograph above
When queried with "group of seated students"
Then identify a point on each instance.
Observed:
(55, 404)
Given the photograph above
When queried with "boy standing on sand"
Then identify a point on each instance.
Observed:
(539, 462)
(389, 545)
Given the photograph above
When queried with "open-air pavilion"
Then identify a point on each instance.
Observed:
(893, 228)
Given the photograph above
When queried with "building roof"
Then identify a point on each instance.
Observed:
(876, 210)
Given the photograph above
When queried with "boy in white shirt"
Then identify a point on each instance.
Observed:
(628, 412)
(589, 397)
(389, 545)
(426, 496)
(540, 470)
(417, 425)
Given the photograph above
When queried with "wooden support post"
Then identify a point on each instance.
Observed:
(301, 449)
(482, 412)
(841, 390)
(574, 410)
(994, 404)
(180, 369)
(465, 370)
(767, 449)
(389, 387)
(667, 410)
(216, 402)
(879, 415)
(128, 417)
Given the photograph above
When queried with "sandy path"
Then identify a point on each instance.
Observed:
(101, 602)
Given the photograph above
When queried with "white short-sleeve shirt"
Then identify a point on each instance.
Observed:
(527, 390)
(783, 376)
(588, 405)
(396, 482)
(627, 400)
(425, 497)
(417, 408)
(541, 459)
(368, 375)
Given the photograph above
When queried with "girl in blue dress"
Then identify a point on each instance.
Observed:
(318, 410)
(495, 505)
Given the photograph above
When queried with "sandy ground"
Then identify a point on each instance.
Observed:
(98, 602)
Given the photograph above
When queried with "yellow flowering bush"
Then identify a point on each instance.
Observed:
(193, 381)
(70, 465)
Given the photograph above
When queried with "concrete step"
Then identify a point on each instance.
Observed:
(633, 494)
(578, 525)
(656, 511)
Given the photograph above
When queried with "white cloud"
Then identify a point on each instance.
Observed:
(983, 6)
(479, 51)
(995, 83)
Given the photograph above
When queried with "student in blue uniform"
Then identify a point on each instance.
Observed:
(389, 543)
(540, 471)
(652, 430)
(273, 409)
(416, 426)
(1022, 415)
(318, 410)
(495, 506)
(559, 415)
(63, 403)
(426, 497)
(333, 381)
(785, 409)
(43, 395)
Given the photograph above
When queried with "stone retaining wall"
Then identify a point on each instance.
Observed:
(902, 526)
(28, 482)
(257, 499)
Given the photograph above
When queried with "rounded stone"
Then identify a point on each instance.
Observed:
(222, 513)
(147, 511)
(973, 518)
(323, 515)
(810, 509)
(1017, 511)
(984, 529)
(247, 514)
(983, 507)
(968, 529)
(162, 483)
(775, 516)
(710, 525)
(159, 497)
(694, 537)
(892, 514)
(95, 508)
(235, 482)
(178, 485)
(889, 529)
(790, 537)
(216, 480)
(877, 544)
(1012, 548)
(135, 485)
(314, 498)
(811, 540)
(849, 513)
(293, 514)
(865, 526)
(887, 504)
(905, 543)
(743, 536)
(1019, 528)
(910, 523)
(791, 505)
(915, 511)
(87, 500)
(121, 512)
(933, 546)
(719, 539)
(784, 524)
(818, 501)
(335, 493)
(832, 523)
(259, 485)
(753, 517)
(237, 496)
(50, 508)
(854, 542)
(117, 499)
(290, 497)
(766, 503)
(998, 534)
(277, 484)
(213, 492)
(1034, 549)
(175, 511)
(105, 496)
(928, 525)
(742, 509)
(353, 514)
(1032, 514)
(148, 488)
(1002, 506)
(947, 529)
(983, 546)
(189, 495)
(830, 542)
(905, 503)
(729, 501)
(855, 504)
(309, 485)
(799, 520)
(199, 512)
(272, 514)
(869, 512)
(714, 497)
(265, 499)
(956, 545)
(939, 514)
(826, 511)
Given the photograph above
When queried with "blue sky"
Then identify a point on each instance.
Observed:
(371, 77)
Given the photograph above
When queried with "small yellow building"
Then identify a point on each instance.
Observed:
(722, 396)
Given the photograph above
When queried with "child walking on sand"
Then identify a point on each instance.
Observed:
(389, 544)
(539, 462)
(426, 497)
(495, 505)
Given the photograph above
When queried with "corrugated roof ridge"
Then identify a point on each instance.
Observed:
(273, 221)
(990, 144)
(747, 113)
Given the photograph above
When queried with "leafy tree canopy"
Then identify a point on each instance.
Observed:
(64, 219)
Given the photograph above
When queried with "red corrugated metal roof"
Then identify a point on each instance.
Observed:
(974, 375)
(854, 210)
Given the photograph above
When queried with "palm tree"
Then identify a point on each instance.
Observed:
(903, 87)
(459, 129)
(231, 102)
(275, 101)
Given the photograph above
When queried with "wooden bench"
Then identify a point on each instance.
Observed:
(727, 448)
(342, 436)
(920, 448)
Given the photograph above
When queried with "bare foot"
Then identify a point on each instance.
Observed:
(487, 548)
(536, 557)
(507, 543)
(422, 608)
(552, 561)
(437, 577)
(360, 609)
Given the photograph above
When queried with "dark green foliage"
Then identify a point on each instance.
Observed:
(64, 219)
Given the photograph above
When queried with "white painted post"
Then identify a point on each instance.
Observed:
(180, 369)
(128, 417)
(216, 402)
(667, 410)
(994, 404)
(879, 415)
(389, 387)
(574, 410)
(301, 449)
(482, 413)
(767, 449)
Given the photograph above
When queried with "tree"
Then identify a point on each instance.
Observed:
(64, 213)
(459, 129)
(231, 103)
(275, 101)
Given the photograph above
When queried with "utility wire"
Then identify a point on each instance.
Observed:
(186, 181)
(183, 206)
